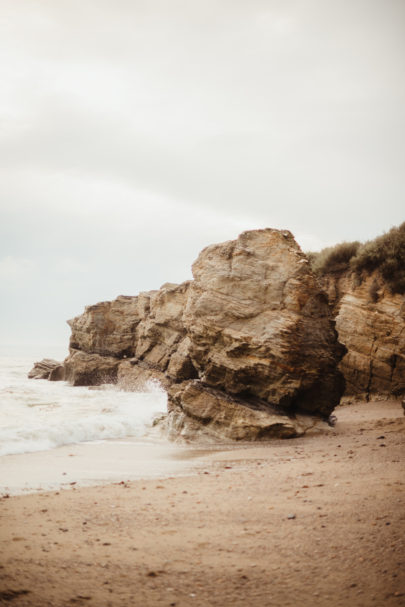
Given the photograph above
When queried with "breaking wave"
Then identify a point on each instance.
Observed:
(37, 415)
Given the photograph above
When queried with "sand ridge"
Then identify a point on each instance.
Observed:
(317, 521)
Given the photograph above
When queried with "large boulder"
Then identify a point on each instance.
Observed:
(260, 326)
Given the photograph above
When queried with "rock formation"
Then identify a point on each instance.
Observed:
(47, 369)
(371, 323)
(246, 350)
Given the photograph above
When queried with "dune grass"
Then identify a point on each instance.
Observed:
(386, 253)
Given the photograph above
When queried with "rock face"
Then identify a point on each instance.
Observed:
(132, 340)
(83, 369)
(371, 323)
(107, 328)
(260, 327)
(245, 350)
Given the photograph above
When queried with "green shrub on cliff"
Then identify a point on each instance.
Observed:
(333, 259)
(385, 253)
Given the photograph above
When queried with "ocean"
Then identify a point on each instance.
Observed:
(55, 436)
(39, 415)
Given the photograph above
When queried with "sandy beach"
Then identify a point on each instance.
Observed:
(318, 520)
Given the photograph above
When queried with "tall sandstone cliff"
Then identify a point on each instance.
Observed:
(370, 321)
(246, 350)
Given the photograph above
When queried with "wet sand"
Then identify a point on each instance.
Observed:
(96, 463)
(315, 521)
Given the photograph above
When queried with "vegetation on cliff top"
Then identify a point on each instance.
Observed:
(385, 253)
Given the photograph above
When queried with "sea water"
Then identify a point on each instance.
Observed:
(39, 415)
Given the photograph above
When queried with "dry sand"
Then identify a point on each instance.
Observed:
(315, 521)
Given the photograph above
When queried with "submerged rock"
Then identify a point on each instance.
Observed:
(247, 350)
(57, 374)
(47, 368)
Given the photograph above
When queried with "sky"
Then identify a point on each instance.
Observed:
(135, 133)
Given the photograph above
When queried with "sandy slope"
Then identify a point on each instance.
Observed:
(313, 521)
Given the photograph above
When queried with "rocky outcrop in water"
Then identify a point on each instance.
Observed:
(47, 369)
(370, 321)
(246, 350)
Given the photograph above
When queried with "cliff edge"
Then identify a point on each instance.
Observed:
(370, 321)
(365, 284)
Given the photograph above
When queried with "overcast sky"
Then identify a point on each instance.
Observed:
(134, 133)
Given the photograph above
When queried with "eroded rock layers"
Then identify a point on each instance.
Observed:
(371, 323)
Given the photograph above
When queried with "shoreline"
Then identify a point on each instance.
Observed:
(107, 461)
(94, 463)
(317, 520)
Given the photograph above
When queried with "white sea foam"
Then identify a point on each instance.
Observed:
(37, 415)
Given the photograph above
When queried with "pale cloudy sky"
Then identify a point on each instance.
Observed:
(134, 133)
